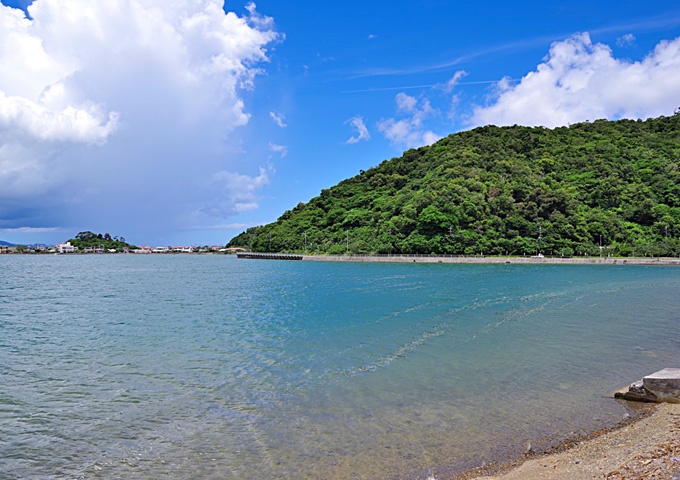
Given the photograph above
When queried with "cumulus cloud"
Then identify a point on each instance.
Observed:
(581, 80)
(22, 116)
(279, 119)
(409, 131)
(357, 122)
(122, 107)
(405, 103)
(32, 99)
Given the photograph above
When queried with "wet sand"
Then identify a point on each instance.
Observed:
(641, 448)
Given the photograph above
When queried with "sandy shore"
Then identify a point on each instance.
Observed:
(644, 448)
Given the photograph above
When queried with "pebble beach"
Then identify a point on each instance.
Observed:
(642, 448)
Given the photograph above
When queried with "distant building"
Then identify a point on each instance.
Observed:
(66, 248)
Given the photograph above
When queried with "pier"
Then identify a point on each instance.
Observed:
(269, 256)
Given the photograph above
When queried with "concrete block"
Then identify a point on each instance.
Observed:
(665, 384)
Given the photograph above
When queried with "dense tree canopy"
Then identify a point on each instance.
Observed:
(498, 190)
(88, 239)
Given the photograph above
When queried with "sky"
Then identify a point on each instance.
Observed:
(184, 122)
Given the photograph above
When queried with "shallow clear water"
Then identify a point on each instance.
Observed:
(211, 367)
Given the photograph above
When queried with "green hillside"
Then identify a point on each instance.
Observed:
(88, 239)
(494, 190)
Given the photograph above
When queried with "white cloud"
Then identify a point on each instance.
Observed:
(455, 80)
(31, 230)
(283, 150)
(279, 119)
(423, 113)
(358, 124)
(22, 116)
(430, 137)
(410, 131)
(581, 81)
(226, 226)
(236, 192)
(404, 133)
(112, 109)
(30, 84)
(626, 40)
(372, 36)
(405, 103)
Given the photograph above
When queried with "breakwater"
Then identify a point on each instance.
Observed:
(416, 258)
(269, 256)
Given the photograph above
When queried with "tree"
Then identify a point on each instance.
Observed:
(492, 188)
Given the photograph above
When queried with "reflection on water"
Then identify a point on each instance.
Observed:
(210, 367)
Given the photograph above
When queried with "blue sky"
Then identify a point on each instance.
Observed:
(184, 122)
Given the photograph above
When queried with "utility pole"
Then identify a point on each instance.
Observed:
(305, 242)
(600, 245)
(347, 241)
(540, 235)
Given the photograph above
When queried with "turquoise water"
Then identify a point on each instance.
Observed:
(210, 367)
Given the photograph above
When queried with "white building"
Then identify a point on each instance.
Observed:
(66, 248)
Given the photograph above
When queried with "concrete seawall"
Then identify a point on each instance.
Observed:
(459, 259)
(503, 260)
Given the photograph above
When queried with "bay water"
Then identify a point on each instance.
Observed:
(205, 366)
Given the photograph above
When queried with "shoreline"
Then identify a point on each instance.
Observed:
(495, 260)
(404, 258)
(645, 445)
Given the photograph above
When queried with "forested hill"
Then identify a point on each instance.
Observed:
(494, 190)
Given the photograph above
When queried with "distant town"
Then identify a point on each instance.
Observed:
(68, 248)
(96, 243)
